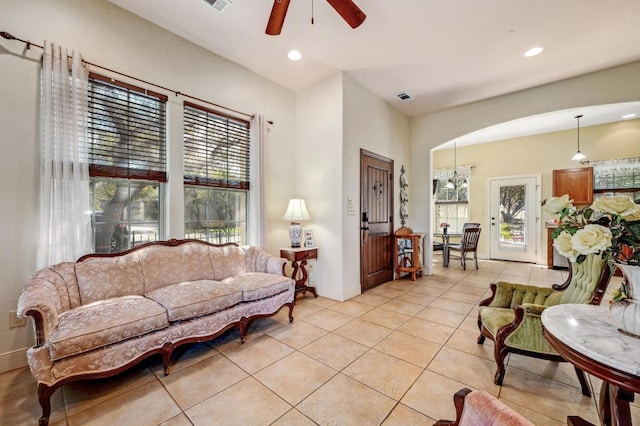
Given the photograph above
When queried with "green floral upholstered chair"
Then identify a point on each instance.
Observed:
(511, 315)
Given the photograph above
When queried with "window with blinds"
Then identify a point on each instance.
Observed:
(127, 163)
(451, 201)
(127, 131)
(216, 149)
(216, 176)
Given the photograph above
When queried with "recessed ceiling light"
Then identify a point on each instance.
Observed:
(628, 116)
(294, 55)
(533, 51)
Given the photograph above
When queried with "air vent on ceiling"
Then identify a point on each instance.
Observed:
(404, 97)
(219, 5)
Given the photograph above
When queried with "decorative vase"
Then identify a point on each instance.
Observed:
(626, 313)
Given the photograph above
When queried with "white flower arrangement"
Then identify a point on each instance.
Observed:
(606, 227)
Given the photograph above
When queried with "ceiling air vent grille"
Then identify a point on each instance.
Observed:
(219, 5)
(404, 97)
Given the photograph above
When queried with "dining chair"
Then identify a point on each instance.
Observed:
(468, 244)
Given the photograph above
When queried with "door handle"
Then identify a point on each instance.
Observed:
(365, 234)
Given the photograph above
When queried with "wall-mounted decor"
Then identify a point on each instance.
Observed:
(404, 197)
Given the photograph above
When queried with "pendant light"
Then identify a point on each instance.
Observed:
(578, 156)
(453, 182)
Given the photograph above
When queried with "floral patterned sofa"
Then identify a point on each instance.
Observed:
(104, 313)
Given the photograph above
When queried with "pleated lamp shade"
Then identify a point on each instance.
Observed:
(296, 212)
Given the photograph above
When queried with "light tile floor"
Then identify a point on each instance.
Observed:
(393, 356)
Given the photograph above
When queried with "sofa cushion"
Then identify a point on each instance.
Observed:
(105, 322)
(195, 298)
(227, 261)
(101, 278)
(258, 285)
(166, 265)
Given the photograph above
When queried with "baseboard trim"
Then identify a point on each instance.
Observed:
(13, 360)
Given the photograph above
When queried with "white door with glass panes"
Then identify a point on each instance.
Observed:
(513, 211)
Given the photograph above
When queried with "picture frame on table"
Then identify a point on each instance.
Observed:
(308, 238)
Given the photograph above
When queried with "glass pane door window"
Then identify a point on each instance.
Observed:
(513, 208)
(512, 219)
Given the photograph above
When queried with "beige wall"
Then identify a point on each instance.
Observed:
(318, 178)
(112, 37)
(620, 84)
(335, 119)
(540, 154)
(373, 125)
(311, 150)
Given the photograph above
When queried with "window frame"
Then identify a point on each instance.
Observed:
(201, 174)
(147, 165)
(455, 223)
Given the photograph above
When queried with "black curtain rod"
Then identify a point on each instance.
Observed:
(8, 36)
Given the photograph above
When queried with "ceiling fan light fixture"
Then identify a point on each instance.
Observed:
(294, 55)
(347, 9)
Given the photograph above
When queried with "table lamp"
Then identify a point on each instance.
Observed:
(296, 212)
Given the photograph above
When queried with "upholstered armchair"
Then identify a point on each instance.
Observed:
(478, 408)
(511, 315)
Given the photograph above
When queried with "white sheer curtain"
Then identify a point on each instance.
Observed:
(65, 222)
(258, 232)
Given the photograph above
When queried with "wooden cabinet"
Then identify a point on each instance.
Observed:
(408, 253)
(578, 183)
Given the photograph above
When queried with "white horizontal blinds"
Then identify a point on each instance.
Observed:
(127, 131)
(216, 149)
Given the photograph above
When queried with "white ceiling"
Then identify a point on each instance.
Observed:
(444, 53)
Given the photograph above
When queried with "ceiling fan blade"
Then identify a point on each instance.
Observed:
(276, 19)
(349, 12)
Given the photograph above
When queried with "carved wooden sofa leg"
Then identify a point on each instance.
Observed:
(167, 351)
(243, 325)
(44, 398)
(291, 305)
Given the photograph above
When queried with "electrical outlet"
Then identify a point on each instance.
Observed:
(14, 321)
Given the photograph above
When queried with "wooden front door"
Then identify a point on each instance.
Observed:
(376, 226)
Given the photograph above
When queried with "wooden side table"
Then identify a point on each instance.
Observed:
(408, 249)
(298, 258)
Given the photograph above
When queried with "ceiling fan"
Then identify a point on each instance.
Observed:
(345, 8)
